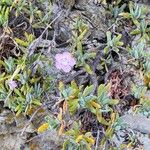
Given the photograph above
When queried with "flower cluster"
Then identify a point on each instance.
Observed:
(12, 84)
(65, 61)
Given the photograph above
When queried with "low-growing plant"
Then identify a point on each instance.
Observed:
(74, 138)
(115, 124)
(77, 97)
(18, 6)
(49, 124)
(113, 43)
(103, 98)
(80, 30)
(138, 50)
(77, 140)
(136, 12)
(143, 30)
(43, 17)
(140, 94)
(20, 87)
(141, 56)
(37, 17)
(116, 10)
(70, 94)
(24, 43)
(4, 15)
(6, 2)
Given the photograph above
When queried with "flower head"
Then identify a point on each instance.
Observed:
(12, 84)
(65, 61)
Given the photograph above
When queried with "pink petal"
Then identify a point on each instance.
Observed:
(58, 65)
(72, 62)
(66, 69)
(65, 61)
(69, 58)
(12, 84)
(58, 57)
(67, 55)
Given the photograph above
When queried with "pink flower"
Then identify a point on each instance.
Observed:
(65, 61)
(12, 84)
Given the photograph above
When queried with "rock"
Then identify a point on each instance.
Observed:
(91, 15)
(68, 4)
(12, 141)
(9, 123)
(47, 141)
(137, 122)
(145, 140)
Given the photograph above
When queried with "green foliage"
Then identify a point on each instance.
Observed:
(138, 50)
(141, 55)
(86, 97)
(136, 12)
(77, 140)
(103, 98)
(113, 43)
(115, 124)
(116, 10)
(4, 15)
(118, 124)
(6, 2)
(78, 36)
(142, 29)
(19, 6)
(30, 87)
(53, 122)
(49, 124)
(28, 73)
(9, 64)
(146, 64)
(77, 97)
(140, 93)
(37, 17)
(26, 42)
(43, 17)
(70, 93)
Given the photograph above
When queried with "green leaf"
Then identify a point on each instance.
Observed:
(61, 86)
(74, 85)
(18, 93)
(88, 68)
(88, 90)
(106, 50)
(2, 63)
(108, 34)
(119, 43)
(101, 119)
(18, 109)
(136, 22)
(36, 102)
(65, 145)
(73, 105)
(82, 34)
(125, 15)
(113, 102)
(79, 47)
(21, 42)
(101, 90)
(135, 32)
(89, 55)
(116, 39)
